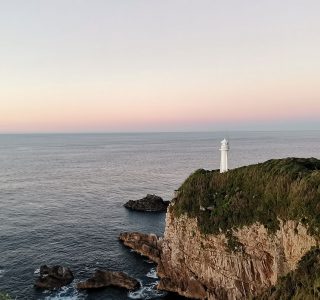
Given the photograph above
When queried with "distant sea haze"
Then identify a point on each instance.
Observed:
(61, 198)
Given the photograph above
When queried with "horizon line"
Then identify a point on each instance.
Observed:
(144, 132)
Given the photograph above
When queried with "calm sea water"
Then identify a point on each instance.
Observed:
(61, 198)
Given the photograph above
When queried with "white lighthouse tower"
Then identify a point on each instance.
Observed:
(224, 156)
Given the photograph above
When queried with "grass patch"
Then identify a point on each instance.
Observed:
(288, 189)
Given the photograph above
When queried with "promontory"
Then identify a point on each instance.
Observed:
(249, 232)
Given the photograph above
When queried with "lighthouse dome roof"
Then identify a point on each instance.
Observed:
(224, 142)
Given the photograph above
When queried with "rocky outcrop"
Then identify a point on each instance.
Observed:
(148, 245)
(103, 279)
(209, 266)
(301, 283)
(53, 277)
(233, 235)
(204, 267)
(150, 203)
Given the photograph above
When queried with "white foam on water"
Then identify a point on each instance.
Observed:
(37, 271)
(152, 273)
(148, 261)
(148, 291)
(65, 293)
(58, 297)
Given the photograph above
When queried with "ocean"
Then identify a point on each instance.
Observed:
(62, 196)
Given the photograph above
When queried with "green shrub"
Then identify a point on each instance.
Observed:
(4, 296)
(278, 188)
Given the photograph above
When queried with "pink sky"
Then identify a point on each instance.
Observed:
(161, 67)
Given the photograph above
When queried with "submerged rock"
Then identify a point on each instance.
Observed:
(53, 277)
(103, 279)
(145, 244)
(150, 203)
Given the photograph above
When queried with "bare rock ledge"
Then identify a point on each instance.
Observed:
(103, 279)
(53, 277)
(148, 245)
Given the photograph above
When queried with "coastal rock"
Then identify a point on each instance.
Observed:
(201, 266)
(103, 279)
(148, 245)
(236, 235)
(150, 203)
(53, 277)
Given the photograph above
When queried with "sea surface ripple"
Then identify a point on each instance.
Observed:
(61, 198)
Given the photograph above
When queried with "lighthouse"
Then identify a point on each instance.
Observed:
(224, 156)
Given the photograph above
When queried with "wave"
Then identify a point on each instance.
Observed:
(146, 292)
(66, 293)
(152, 273)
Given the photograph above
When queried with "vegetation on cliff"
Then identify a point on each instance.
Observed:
(287, 189)
(4, 296)
(300, 284)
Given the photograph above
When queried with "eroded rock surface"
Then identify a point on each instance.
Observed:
(203, 267)
(145, 244)
(53, 277)
(150, 203)
(103, 279)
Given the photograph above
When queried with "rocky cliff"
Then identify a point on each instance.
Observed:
(202, 266)
(235, 235)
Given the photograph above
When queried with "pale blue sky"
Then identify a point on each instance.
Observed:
(159, 65)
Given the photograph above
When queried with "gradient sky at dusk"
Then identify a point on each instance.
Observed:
(169, 65)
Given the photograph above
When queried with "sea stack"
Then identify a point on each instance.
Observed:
(150, 203)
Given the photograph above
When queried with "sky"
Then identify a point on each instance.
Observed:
(169, 65)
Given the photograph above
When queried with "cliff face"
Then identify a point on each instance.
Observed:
(233, 235)
(203, 266)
